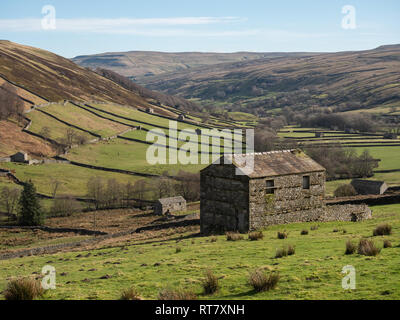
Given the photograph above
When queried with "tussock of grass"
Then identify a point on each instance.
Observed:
(282, 235)
(210, 283)
(23, 289)
(169, 294)
(383, 230)
(256, 235)
(233, 236)
(387, 244)
(261, 282)
(350, 247)
(367, 248)
(130, 294)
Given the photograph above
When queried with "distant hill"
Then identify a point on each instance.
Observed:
(343, 81)
(142, 64)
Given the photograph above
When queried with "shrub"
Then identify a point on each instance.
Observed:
(304, 232)
(168, 294)
(367, 248)
(280, 253)
(65, 207)
(383, 230)
(261, 282)
(350, 247)
(130, 294)
(291, 250)
(282, 235)
(256, 235)
(210, 283)
(232, 236)
(345, 190)
(387, 244)
(23, 289)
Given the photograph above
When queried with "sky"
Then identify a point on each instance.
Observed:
(72, 28)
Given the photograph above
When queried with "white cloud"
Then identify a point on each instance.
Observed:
(116, 26)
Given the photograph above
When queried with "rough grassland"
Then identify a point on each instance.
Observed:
(13, 140)
(314, 272)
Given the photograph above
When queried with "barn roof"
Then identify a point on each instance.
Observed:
(275, 163)
(369, 183)
(166, 201)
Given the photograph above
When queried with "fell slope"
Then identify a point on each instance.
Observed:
(57, 78)
(364, 79)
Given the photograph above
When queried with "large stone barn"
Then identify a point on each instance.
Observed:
(169, 205)
(284, 187)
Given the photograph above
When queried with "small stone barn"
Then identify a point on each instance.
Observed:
(366, 187)
(19, 157)
(171, 205)
(284, 187)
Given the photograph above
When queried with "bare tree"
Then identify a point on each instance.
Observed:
(188, 185)
(9, 197)
(96, 191)
(55, 184)
(140, 189)
(70, 136)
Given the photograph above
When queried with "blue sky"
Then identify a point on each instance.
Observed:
(88, 26)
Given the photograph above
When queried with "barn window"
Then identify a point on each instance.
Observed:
(306, 182)
(270, 187)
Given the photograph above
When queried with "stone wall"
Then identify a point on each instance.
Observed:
(323, 214)
(224, 202)
(288, 197)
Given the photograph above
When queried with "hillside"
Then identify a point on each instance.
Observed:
(145, 64)
(56, 78)
(345, 81)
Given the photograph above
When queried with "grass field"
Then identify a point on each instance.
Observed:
(125, 155)
(74, 179)
(85, 119)
(56, 129)
(314, 272)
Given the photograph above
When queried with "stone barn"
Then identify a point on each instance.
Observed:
(366, 187)
(284, 187)
(171, 205)
(20, 157)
